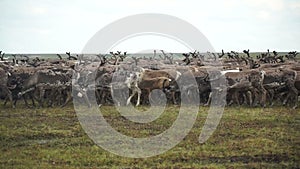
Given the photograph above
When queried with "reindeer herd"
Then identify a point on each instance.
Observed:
(119, 78)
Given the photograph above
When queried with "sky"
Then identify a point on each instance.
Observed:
(49, 26)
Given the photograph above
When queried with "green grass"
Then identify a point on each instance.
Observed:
(245, 138)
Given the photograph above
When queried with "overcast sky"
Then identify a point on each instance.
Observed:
(48, 26)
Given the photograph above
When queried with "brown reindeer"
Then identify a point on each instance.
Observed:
(138, 82)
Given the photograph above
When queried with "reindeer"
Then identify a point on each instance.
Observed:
(292, 55)
(3, 85)
(137, 82)
(286, 79)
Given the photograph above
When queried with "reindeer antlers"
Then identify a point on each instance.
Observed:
(59, 56)
(2, 56)
(247, 52)
(71, 57)
(222, 54)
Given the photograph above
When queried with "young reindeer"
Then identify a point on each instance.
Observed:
(138, 82)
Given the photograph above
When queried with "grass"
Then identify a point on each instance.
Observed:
(245, 138)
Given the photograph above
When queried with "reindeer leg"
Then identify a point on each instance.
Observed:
(84, 93)
(98, 96)
(68, 99)
(236, 98)
(290, 92)
(249, 95)
(139, 97)
(101, 95)
(5, 101)
(41, 97)
(173, 97)
(209, 99)
(230, 99)
(150, 98)
(32, 100)
(244, 97)
(8, 97)
(15, 102)
(12, 103)
(296, 101)
(256, 97)
(271, 95)
(25, 101)
(132, 94)
(263, 97)
(294, 92)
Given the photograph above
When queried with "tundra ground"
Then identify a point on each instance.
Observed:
(245, 138)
